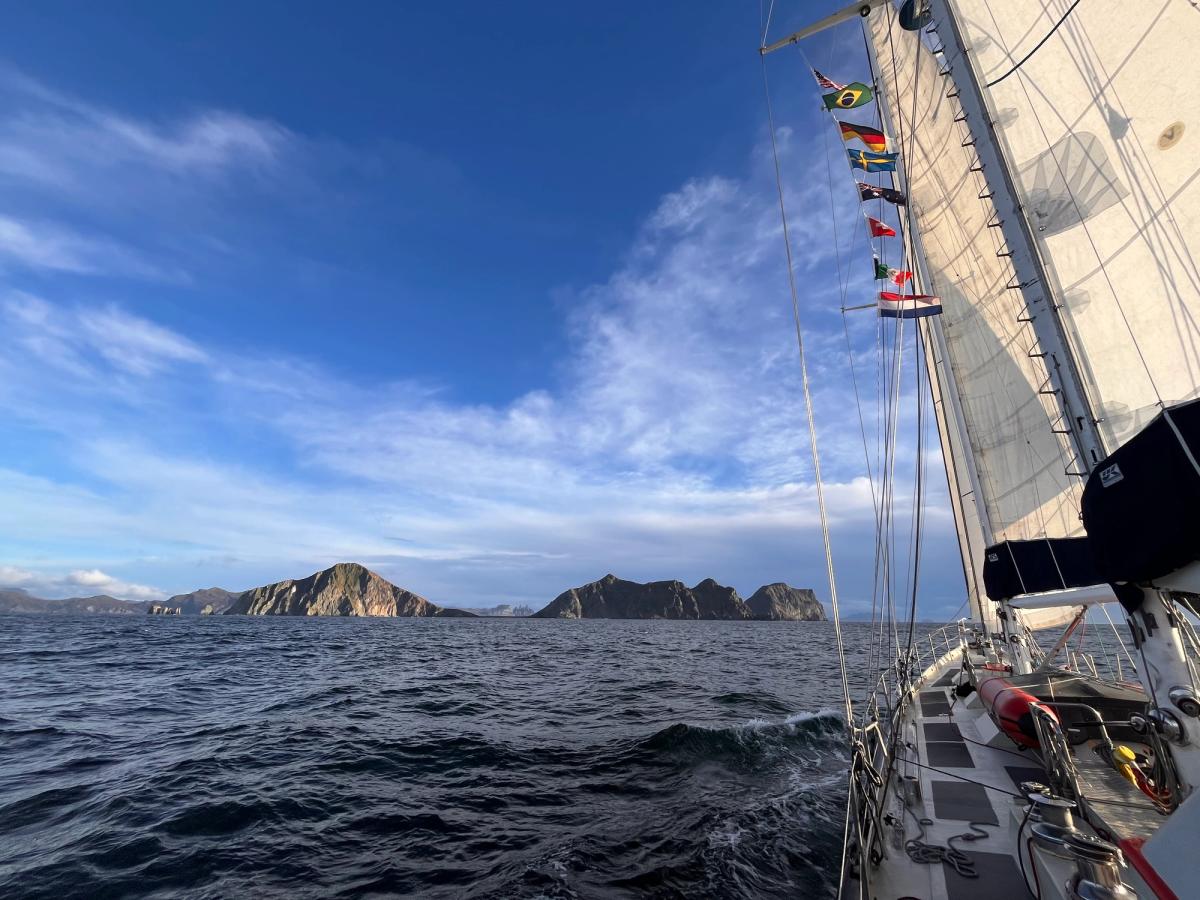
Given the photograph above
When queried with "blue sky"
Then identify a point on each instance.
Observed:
(491, 299)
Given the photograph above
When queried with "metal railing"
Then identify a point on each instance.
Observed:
(877, 751)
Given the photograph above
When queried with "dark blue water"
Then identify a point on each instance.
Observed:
(274, 757)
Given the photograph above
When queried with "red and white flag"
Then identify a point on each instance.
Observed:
(908, 306)
(880, 229)
(828, 83)
(899, 277)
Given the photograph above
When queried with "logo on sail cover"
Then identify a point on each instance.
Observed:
(1111, 475)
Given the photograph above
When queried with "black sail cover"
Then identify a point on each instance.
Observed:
(1032, 567)
(1141, 505)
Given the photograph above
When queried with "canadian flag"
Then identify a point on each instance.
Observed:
(880, 229)
(898, 277)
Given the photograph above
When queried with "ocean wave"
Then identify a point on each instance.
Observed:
(212, 758)
(748, 742)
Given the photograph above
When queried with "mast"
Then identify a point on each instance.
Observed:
(971, 527)
(1022, 472)
(1032, 279)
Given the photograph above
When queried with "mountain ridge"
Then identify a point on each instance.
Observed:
(350, 589)
(616, 598)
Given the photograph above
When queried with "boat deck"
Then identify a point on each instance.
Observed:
(969, 775)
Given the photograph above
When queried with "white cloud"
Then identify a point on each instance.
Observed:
(76, 339)
(672, 445)
(51, 137)
(133, 343)
(39, 245)
(81, 582)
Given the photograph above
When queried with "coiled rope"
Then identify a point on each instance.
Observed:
(926, 854)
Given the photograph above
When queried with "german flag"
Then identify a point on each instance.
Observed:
(872, 137)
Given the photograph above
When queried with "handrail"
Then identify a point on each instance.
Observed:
(874, 733)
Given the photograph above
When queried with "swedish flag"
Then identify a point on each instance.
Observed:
(873, 162)
(854, 94)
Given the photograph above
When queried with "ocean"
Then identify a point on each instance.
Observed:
(219, 757)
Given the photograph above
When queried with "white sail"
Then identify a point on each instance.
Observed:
(1101, 130)
(1013, 427)
(1049, 617)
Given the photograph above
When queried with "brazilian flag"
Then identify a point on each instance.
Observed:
(852, 95)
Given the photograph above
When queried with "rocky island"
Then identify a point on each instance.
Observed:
(778, 601)
(346, 589)
(350, 589)
(615, 598)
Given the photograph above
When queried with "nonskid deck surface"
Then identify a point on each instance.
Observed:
(969, 772)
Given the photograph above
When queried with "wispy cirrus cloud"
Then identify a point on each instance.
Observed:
(670, 442)
(78, 339)
(42, 246)
(53, 137)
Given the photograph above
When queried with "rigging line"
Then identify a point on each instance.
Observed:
(909, 248)
(990, 787)
(808, 403)
(896, 394)
(766, 26)
(1037, 46)
(867, 459)
(843, 287)
(918, 493)
(888, 402)
(845, 843)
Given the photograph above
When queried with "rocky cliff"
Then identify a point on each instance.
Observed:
(346, 589)
(215, 599)
(780, 601)
(614, 598)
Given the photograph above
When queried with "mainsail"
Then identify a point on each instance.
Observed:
(1100, 126)
(1014, 426)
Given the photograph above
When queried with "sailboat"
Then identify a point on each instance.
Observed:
(1040, 160)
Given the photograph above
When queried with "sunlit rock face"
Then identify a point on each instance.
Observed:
(346, 589)
(780, 601)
